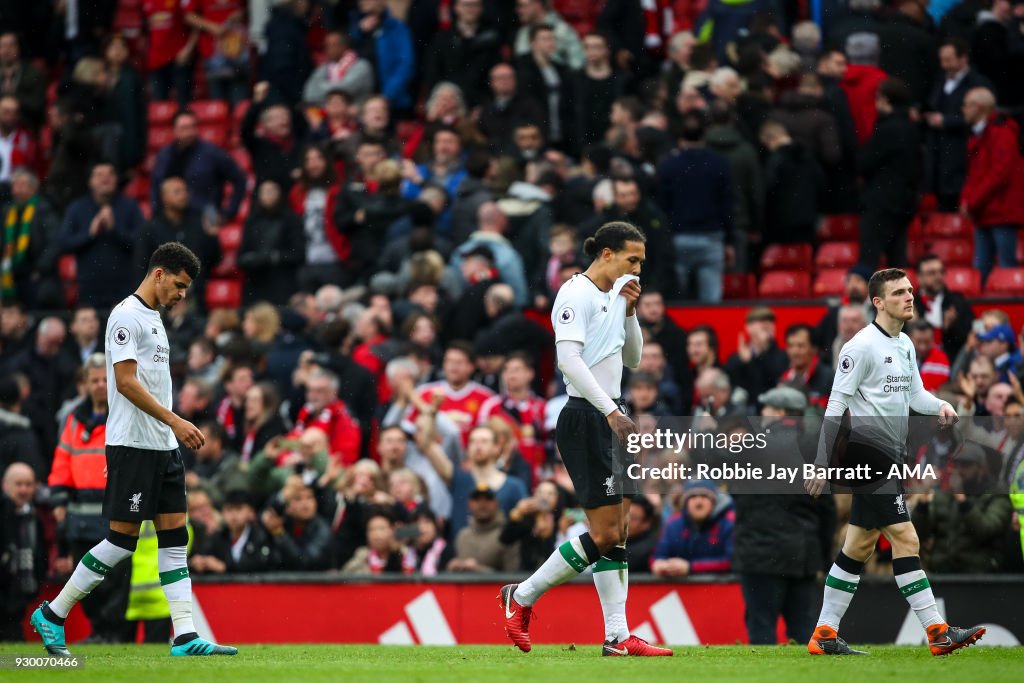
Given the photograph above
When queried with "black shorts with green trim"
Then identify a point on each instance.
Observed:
(143, 483)
(595, 461)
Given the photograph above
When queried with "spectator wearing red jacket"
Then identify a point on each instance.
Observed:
(326, 411)
(931, 359)
(169, 50)
(17, 145)
(993, 194)
(861, 81)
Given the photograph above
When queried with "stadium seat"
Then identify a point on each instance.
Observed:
(241, 157)
(836, 255)
(1005, 282)
(223, 294)
(230, 236)
(785, 284)
(138, 188)
(953, 252)
(210, 111)
(162, 113)
(67, 268)
(738, 286)
(839, 228)
(966, 281)
(159, 137)
(215, 134)
(783, 256)
(830, 282)
(947, 225)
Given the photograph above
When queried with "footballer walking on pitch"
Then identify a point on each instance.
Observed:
(145, 474)
(877, 383)
(596, 333)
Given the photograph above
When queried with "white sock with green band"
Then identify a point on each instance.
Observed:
(914, 586)
(611, 578)
(840, 585)
(174, 578)
(567, 562)
(91, 570)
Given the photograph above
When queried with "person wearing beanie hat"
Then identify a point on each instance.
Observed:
(1000, 344)
(697, 539)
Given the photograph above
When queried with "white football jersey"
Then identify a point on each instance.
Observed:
(879, 376)
(136, 332)
(583, 313)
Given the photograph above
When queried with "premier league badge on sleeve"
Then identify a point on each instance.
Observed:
(566, 315)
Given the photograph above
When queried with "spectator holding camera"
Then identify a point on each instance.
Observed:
(300, 537)
(383, 553)
(269, 471)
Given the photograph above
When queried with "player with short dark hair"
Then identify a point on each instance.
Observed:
(596, 334)
(145, 473)
(877, 384)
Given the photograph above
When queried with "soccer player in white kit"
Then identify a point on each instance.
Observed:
(145, 473)
(596, 333)
(876, 385)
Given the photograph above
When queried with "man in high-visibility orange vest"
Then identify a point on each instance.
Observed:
(77, 480)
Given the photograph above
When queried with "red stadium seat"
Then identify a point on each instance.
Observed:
(162, 113)
(138, 188)
(216, 134)
(230, 237)
(223, 294)
(839, 228)
(966, 281)
(837, 255)
(210, 111)
(785, 284)
(67, 268)
(738, 286)
(953, 252)
(159, 137)
(241, 157)
(238, 113)
(783, 256)
(1005, 282)
(948, 225)
(227, 268)
(830, 282)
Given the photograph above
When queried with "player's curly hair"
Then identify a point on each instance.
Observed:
(612, 236)
(175, 257)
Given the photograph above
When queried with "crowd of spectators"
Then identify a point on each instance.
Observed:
(394, 192)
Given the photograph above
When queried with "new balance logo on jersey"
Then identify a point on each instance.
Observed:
(901, 506)
(154, 331)
(888, 359)
(135, 500)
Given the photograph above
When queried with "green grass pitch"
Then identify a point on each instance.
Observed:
(491, 664)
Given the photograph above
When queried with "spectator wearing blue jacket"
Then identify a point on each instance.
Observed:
(723, 22)
(205, 167)
(385, 42)
(491, 233)
(697, 540)
(100, 230)
(446, 169)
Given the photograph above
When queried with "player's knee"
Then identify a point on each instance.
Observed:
(607, 537)
(905, 542)
(122, 540)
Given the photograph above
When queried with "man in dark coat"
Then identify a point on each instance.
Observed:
(178, 222)
(275, 150)
(18, 443)
(632, 207)
(792, 182)
(908, 49)
(551, 85)
(465, 53)
(781, 541)
(948, 312)
(890, 164)
(842, 193)
(509, 107)
(287, 62)
(948, 132)
(758, 362)
(100, 230)
(23, 556)
(205, 167)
